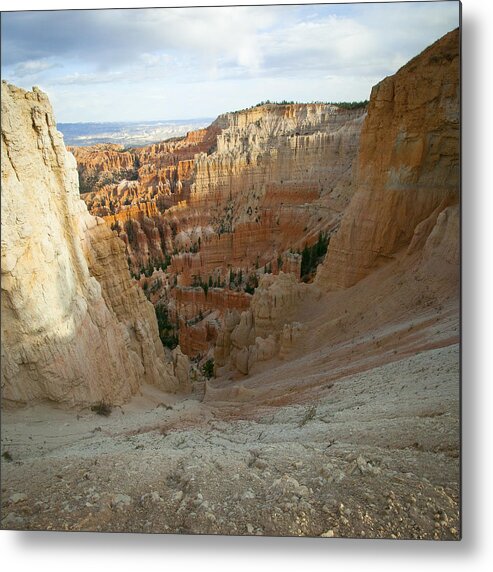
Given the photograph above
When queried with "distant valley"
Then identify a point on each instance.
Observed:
(128, 133)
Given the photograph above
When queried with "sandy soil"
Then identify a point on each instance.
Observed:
(371, 454)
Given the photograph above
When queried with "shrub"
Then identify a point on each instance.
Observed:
(208, 368)
(313, 255)
(167, 330)
(251, 284)
(129, 229)
(351, 104)
(102, 408)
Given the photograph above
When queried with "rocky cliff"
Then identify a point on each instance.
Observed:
(249, 187)
(228, 203)
(395, 257)
(408, 165)
(75, 328)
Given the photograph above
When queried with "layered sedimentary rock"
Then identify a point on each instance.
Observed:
(408, 165)
(252, 185)
(265, 329)
(103, 164)
(236, 199)
(281, 173)
(160, 172)
(189, 302)
(75, 328)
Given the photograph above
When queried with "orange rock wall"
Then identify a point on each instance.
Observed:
(238, 195)
(408, 164)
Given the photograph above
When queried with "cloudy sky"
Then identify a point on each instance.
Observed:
(172, 63)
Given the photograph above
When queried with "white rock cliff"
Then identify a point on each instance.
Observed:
(75, 328)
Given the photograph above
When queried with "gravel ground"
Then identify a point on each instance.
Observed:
(375, 454)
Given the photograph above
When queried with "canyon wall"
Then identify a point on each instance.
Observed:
(280, 175)
(403, 218)
(240, 198)
(408, 165)
(246, 189)
(75, 328)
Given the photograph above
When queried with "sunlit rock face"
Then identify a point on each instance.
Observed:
(246, 189)
(280, 174)
(75, 328)
(243, 195)
(408, 165)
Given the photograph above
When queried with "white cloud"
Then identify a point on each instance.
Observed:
(30, 68)
(165, 63)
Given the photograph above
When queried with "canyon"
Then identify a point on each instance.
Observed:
(223, 205)
(270, 306)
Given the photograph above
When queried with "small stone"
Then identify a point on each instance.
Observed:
(328, 534)
(17, 497)
(362, 464)
(178, 496)
(154, 497)
(303, 491)
(13, 520)
(250, 528)
(120, 501)
(413, 512)
(248, 495)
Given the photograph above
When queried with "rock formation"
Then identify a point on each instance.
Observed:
(403, 217)
(75, 328)
(249, 187)
(408, 165)
(226, 204)
(264, 330)
(103, 164)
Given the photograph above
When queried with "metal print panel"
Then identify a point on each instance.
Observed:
(230, 272)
